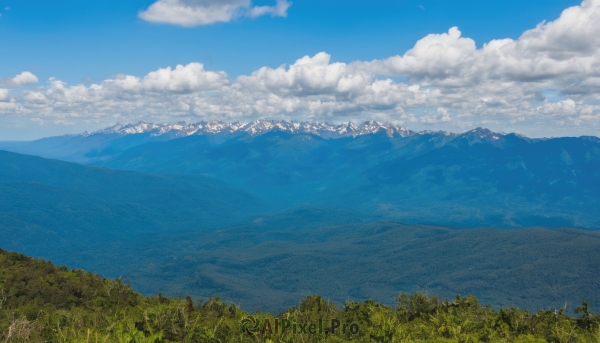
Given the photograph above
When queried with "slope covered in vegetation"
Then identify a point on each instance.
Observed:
(40, 302)
(45, 202)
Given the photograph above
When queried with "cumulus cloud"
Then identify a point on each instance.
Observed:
(3, 95)
(183, 79)
(448, 81)
(309, 75)
(279, 10)
(165, 90)
(23, 79)
(190, 13)
(563, 53)
(442, 116)
(565, 107)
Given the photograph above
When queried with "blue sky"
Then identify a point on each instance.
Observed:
(89, 42)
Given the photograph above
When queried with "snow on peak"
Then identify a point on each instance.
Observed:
(481, 133)
(258, 127)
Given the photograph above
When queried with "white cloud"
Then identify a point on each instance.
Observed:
(565, 107)
(182, 79)
(165, 90)
(564, 53)
(279, 10)
(442, 116)
(308, 76)
(190, 13)
(3, 95)
(23, 79)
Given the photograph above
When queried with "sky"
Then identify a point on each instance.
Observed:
(528, 66)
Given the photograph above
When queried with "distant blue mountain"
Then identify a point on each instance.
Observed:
(478, 178)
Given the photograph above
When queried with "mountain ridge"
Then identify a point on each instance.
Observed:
(258, 127)
(478, 178)
(262, 126)
(104, 144)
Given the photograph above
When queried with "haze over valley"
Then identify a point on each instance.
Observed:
(241, 210)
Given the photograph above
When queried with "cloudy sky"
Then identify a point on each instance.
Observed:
(527, 66)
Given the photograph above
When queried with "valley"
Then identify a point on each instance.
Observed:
(264, 219)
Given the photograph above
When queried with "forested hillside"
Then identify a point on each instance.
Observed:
(476, 179)
(196, 235)
(43, 303)
(47, 202)
(280, 258)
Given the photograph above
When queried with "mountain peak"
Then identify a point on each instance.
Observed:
(482, 134)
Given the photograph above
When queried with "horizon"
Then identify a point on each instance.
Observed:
(119, 126)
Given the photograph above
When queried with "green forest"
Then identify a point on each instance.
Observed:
(40, 302)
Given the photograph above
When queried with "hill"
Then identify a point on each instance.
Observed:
(42, 303)
(275, 259)
(272, 262)
(46, 202)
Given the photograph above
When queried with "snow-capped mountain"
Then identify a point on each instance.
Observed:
(256, 128)
(442, 175)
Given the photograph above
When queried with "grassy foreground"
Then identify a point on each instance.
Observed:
(40, 302)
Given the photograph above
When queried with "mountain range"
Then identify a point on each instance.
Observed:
(478, 178)
(89, 147)
(267, 212)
